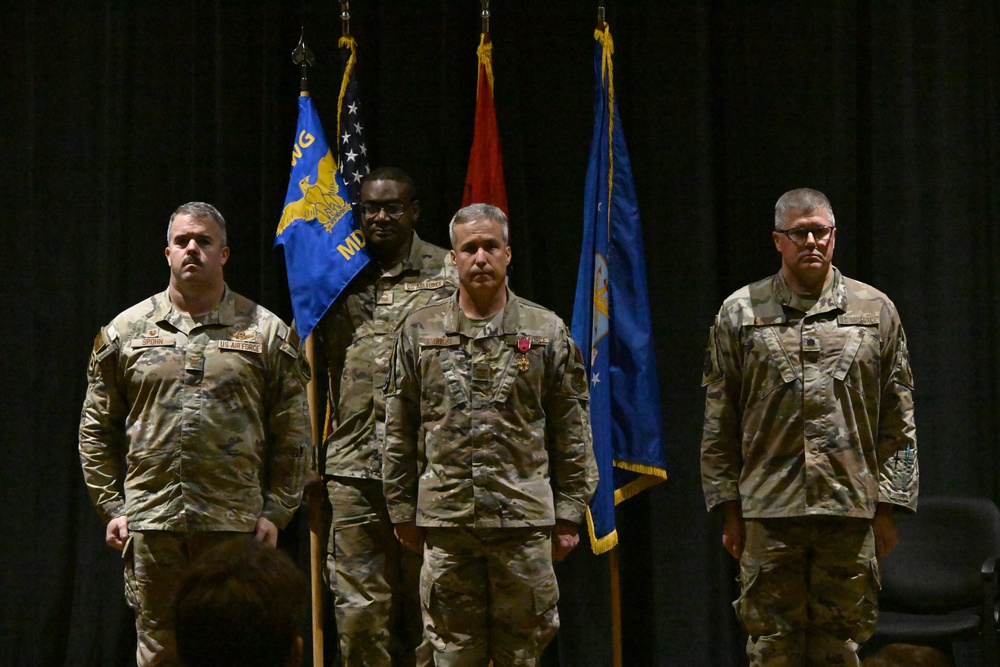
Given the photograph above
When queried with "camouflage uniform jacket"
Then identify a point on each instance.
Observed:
(357, 335)
(487, 429)
(210, 418)
(809, 407)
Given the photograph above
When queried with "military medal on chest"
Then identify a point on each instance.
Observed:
(523, 345)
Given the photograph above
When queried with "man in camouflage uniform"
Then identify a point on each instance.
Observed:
(201, 392)
(374, 580)
(809, 443)
(488, 462)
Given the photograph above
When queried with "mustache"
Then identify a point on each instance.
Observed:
(191, 260)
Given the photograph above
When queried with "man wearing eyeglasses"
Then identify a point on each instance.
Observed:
(809, 443)
(374, 580)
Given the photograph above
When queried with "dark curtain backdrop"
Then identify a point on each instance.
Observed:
(114, 113)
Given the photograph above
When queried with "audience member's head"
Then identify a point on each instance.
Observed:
(907, 655)
(241, 604)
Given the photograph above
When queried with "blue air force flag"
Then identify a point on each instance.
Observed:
(611, 321)
(323, 246)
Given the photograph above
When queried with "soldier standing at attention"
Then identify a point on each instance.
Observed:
(373, 579)
(201, 392)
(809, 443)
(488, 462)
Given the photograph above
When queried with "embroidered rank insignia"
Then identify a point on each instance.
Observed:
(385, 298)
(481, 373)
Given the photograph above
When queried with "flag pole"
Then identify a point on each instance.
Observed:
(616, 608)
(303, 57)
(345, 18)
(315, 514)
(613, 568)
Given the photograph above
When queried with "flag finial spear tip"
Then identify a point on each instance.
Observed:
(304, 58)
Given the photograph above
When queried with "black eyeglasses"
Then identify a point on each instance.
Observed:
(800, 235)
(392, 209)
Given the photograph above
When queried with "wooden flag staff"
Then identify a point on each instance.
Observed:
(303, 57)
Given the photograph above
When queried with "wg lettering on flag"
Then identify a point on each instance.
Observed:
(305, 140)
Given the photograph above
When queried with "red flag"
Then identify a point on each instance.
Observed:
(484, 179)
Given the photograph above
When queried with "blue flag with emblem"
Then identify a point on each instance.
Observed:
(611, 321)
(324, 248)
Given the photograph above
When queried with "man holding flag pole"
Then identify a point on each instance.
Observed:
(323, 250)
(373, 579)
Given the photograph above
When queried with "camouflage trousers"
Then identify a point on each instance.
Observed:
(488, 594)
(155, 563)
(809, 590)
(374, 580)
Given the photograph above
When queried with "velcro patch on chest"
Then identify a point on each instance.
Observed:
(241, 346)
(867, 320)
(426, 284)
(153, 341)
(442, 341)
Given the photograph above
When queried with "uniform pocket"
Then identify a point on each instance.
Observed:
(545, 595)
(869, 607)
(771, 366)
(858, 363)
(426, 584)
(748, 611)
(876, 575)
(131, 587)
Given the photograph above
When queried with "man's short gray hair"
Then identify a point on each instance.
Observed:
(805, 200)
(474, 212)
(198, 209)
